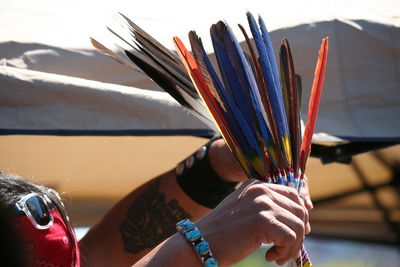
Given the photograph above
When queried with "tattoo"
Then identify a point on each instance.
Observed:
(150, 220)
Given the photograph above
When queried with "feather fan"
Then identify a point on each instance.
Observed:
(255, 108)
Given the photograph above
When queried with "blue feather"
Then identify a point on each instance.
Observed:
(243, 133)
(241, 86)
(246, 85)
(271, 55)
(228, 71)
(231, 112)
(267, 60)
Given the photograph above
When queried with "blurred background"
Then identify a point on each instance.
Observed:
(95, 130)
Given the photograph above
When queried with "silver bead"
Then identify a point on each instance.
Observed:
(201, 153)
(180, 168)
(189, 162)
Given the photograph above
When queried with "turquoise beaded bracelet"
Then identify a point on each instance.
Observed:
(194, 237)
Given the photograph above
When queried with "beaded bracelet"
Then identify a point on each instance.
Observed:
(194, 237)
(200, 182)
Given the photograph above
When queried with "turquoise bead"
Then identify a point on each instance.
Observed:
(211, 262)
(202, 248)
(193, 235)
(185, 225)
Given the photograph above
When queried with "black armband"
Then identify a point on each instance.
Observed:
(200, 182)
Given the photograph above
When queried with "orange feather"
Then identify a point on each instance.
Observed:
(314, 105)
(191, 67)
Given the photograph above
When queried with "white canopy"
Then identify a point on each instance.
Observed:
(361, 98)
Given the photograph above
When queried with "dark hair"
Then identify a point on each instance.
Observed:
(14, 187)
(11, 252)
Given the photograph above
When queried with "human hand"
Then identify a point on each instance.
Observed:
(224, 163)
(254, 214)
(228, 168)
(305, 194)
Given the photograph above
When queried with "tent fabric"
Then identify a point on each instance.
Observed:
(43, 103)
(361, 97)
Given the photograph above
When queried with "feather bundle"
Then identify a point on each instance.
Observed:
(261, 105)
(255, 108)
(161, 65)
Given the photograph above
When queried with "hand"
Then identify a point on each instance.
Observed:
(305, 194)
(227, 167)
(254, 214)
(224, 162)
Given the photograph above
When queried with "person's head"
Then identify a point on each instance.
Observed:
(38, 215)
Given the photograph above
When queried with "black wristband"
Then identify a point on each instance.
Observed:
(200, 182)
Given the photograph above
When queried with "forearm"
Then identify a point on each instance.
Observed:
(175, 251)
(138, 223)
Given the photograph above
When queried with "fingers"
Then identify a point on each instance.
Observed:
(305, 194)
(287, 242)
(289, 199)
(294, 196)
(285, 191)
(298, 223)
(307, 220)
(273, 254)
(261, 213)
(286, 218)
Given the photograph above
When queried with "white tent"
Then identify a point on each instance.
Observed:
(361, 99)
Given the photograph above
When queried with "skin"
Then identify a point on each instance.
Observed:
(227, 167)
(256, 213)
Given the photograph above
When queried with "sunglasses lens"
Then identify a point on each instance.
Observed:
(39, 210)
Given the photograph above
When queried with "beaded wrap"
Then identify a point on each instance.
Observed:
(199, 181)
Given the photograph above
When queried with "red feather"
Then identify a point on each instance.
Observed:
(314, 104)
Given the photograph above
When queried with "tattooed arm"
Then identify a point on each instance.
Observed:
(138, 223)
(256, 213)
(147, 216)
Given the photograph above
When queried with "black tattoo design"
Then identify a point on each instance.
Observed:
(150, 220)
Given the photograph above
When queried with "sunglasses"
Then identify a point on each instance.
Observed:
(37, 208)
